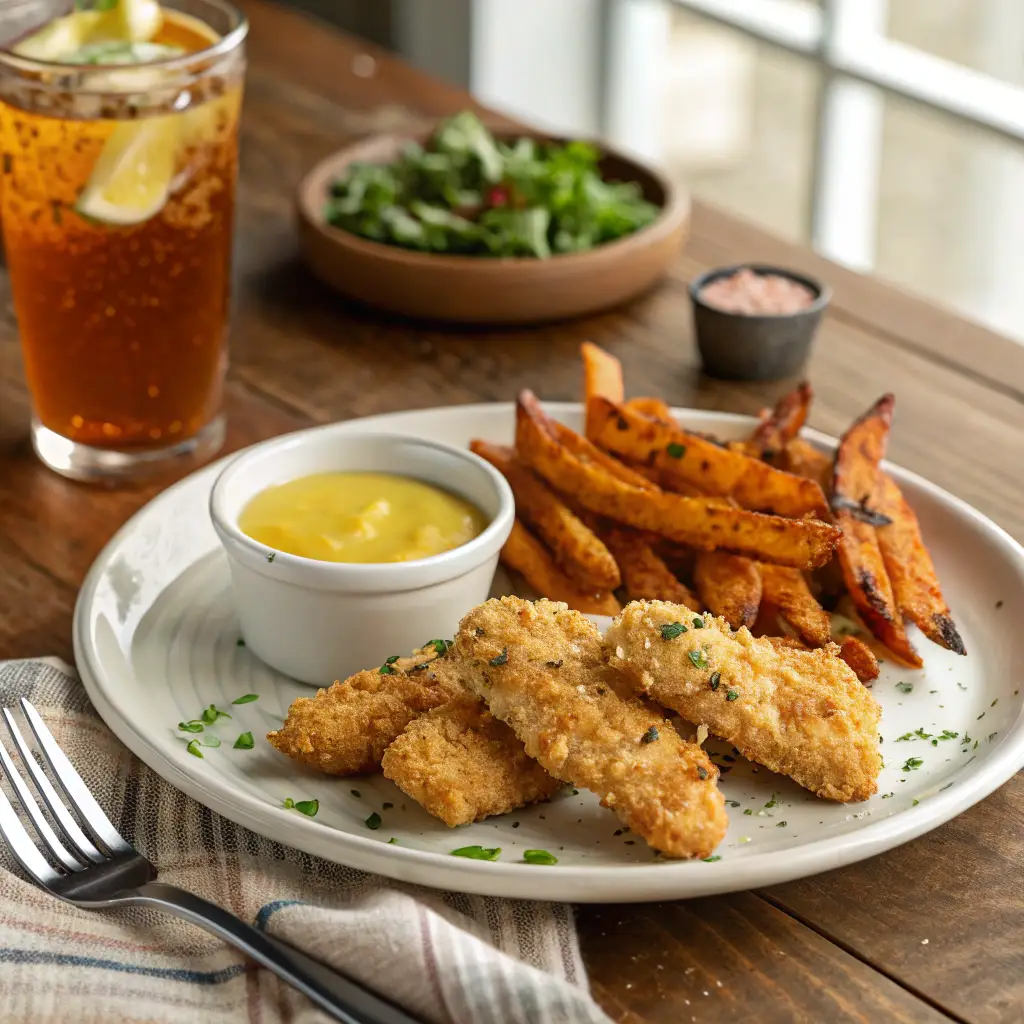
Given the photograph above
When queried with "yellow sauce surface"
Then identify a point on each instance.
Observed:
(360, 517)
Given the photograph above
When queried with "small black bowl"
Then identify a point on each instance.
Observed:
(737, 346)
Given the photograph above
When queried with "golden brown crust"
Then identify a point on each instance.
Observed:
(462, 765)
(345, 728)
(801, 713)
(542, 669)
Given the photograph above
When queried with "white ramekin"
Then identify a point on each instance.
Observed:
(321, 621)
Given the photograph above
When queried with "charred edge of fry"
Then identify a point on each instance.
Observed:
(869, 587)
(950, 634)
(859, 510)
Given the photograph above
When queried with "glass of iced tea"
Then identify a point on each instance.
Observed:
(119, 139)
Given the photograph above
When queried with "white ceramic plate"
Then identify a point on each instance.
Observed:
(156, 642)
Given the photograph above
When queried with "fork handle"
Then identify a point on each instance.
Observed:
(341, 997)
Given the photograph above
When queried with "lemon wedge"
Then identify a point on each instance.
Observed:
(62, 36)
(63, 39)
(133, 175)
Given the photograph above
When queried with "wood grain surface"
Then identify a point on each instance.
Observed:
(845, 946)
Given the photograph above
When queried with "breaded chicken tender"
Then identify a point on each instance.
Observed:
(345, 728)
(801, 713)
(541, 668)
(462, 765)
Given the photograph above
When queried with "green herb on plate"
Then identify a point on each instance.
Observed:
(539, 857)
(477, 852)
(247, 698)
(244, 742)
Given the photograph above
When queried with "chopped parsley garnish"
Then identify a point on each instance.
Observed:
(671, 630)
(886, 796)
(392, 840)
(676, 450)
(244, 742)
(307, 807)
(712, 858)
(781, 824)
(499, 659)
(698, 658)
(477, 852)
(289, 803)
(733, 803)
(994, 703)
(441, 646)
(208, 741)
(773, 802)
(246, 698)
(904, 687)
(239, 642)
(914, 802)
(698, 622)
(702, 771)
(912, 764)
(271, 556)
(732, 695)
(716, 678)
(212, 714)
(193, 748)
(386, 806)
(356, 793)
(539, 857)
(387, 669)
(194, 726)
(748, 811)
(650, 736)
(373, 821)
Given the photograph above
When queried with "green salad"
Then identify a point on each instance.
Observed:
(471, 194)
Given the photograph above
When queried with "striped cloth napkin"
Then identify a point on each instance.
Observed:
(446, 957)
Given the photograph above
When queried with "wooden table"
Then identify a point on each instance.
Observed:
(932, 931)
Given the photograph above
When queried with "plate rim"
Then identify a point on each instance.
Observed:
(582, 883)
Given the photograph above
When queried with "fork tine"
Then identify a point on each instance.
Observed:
(72, 832)
(21, 845)
(42, 826)
(71, 782)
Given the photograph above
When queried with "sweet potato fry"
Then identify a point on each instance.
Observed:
(576, 549)
(697, 521)
(528, 557)
(695, 462)
(729, 585)
(652, 408)
(787, 589)
(803, 459)
(915, 584)
(602, 377)
(855, 480)
(591, 454)
(785, 422)
(860, 658)
(855, 474)
(645, 575)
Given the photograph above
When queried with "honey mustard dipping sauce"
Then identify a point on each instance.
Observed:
(360, 517)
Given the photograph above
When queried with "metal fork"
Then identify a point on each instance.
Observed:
(106, 871)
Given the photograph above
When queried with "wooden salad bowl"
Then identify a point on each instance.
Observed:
(480, 289)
